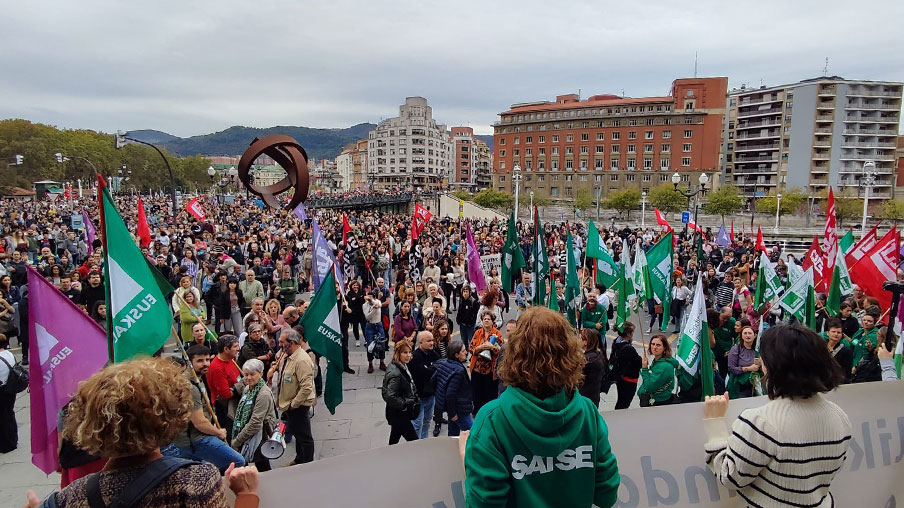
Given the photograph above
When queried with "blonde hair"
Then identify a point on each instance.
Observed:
(129, 408)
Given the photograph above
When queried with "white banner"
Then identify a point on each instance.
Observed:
(660, 459)
(488, 262)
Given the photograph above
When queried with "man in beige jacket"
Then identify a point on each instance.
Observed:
(296, 393)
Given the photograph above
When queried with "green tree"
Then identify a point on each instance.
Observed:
(541, 199)
(584, 199)
(462, 195)
(723, 201)
(667, 199)
(847, 205)
(494, 199)
(791, 201)
(893, 209)
(623, 201)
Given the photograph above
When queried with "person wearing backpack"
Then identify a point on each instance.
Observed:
(9, 429)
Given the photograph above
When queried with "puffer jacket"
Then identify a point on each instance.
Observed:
(452, 388)
(399, 393)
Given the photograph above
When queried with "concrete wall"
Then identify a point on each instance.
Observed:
(803, 118)
(448, 205)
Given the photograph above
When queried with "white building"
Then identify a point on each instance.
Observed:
(409, 150)
(344, 166)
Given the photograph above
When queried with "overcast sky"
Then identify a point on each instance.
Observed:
(195, 67)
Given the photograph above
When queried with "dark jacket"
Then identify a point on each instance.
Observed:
(625, 360)
(253, 349)
(223, 305)
(452, 387)
(422, 369)
(467, 312)
(400, 395)
(89, 295)
(593, 376)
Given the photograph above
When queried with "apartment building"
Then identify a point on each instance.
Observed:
(344, 165)
(811, 135)
(410, 150)
(607, 143)
(471, 160)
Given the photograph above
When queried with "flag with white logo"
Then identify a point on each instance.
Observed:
(512, 256)
(322, 331)
(694, 354)
(323, 260)
(659, 261)
(194, 207)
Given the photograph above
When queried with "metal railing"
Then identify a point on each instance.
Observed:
(360, 201)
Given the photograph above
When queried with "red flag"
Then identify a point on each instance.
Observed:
(661, 220)
(346, 229)
(421, 216)
(732, 232)
(144, 232)
(194, 207)
(759, 241)
(830, 243)
(862, 247)
(877, 266)
(813, 258)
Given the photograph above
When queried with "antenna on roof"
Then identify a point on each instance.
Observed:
(623, 93)
(695, 64)
(579, 94)
(825, 70)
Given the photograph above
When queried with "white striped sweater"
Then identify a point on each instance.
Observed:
(784, 453)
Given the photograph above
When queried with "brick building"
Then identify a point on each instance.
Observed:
(471, 160)
(608, 143)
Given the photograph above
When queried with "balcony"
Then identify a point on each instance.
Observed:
(819, 169)
(825, 118)
(866, 144)
(860, 105)
(761, 158)
(859, 157)
(759, 112)
(749, 101)
(823, 131)
(761, 123)
(822, 156)
(742, 171)
(758, 136)
(871, 93)
(748, 147)
(827, 91)
(825, 105)
(870, 132)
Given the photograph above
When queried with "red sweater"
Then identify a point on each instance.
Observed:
(221, 377)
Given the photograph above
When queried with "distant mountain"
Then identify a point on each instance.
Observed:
(318, 143)
(486, 138)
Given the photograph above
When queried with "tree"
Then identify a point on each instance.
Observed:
(462, 195)
(541, 199)
(494, 199)
(791, 201)
(623, 201)
(893, 209)
(667, 199)
(847, 205)
(723, 201)
(584, 199)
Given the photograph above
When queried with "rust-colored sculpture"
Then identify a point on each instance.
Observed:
(291, 157)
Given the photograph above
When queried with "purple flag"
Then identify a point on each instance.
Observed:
(722, 239)
(323, 260)
(299, 212)
(475, 272)
(89, 230)
(67, 347)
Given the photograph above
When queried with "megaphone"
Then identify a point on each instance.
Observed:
(274, 447)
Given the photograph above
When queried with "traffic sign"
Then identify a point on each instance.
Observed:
(685, 217)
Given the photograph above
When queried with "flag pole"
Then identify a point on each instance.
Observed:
(101, 185)
(194, 374)
(182, 299)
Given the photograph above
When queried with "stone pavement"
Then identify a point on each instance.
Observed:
(358, 425)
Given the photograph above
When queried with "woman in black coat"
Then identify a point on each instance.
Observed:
(452, 387)
(625, 367)
(422, 367)
(467, 314)
(402, 403)
(595, 367)
(354, 298)
(231, 307)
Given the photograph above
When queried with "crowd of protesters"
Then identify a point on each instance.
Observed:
(243, 278)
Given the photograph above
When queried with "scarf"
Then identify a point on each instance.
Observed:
(246, 407)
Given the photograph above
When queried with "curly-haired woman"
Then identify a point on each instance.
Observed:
(540, 419)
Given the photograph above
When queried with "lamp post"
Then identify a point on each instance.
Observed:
(703, 180)
(531, 200)
(122, 139)
(643, 209)
(867, 180)
(778, 209)
(516, 176)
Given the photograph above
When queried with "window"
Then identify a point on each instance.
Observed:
(516, 152)
(583, 164)
(502, 177)
(541, 165)
(585, 136)
(555, 138)
(597, 178)
(554, 191)
(583, 178)
(647, 177)
(686, 147)
(632, 163)
(648, 135)
(599, 164)
(613, 177)
(667, 121)
(569, 164)
(542, 151)
(569, 178)
(517, 141)
(629, 178)
(648, 148)
(616, 123)
(502, 166)
(528, 151)
(664, 163)
(555, 178)
(555, 150)
(529, 139)
(541, 178)
(616, 148)
(688, 133)
(600, 148)
(555, 165)
(632, 148)
(632, 122)
(585, 149)
(632, 134)
(568, 192)
(648, 163)
(542, 139)
(502, 153)
(569, 149)
(649, 120)
(665, 148)
(685, 161)
(569, 137)
(666, 134)
(600, 136)
(664, 178)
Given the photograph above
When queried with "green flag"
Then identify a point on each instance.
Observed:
(628, 274)
(512, 257)
(768, 284)
(833, 299)
(606, 269)
(554, 299)
(595, 245)
(140, 320)
(572, 286)
(621, 308)
(810, 308)
(846, 287)
(795, 298)
(846, 243)
(540, 261)
(322, 331)
(694, 354)
(659, 260)
(899, 355)
(642, 286)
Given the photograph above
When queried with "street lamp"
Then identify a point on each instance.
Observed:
(531, 200)
(122, 138)
(703, 180)
(867, 180)
(778, 208)
(643, 209)
(516, 176)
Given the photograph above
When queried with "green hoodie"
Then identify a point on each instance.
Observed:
(526, 451)
(661, 373)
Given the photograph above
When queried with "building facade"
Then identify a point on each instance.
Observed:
(608, 143)
(359, 165)
(471, 160)
(812, 135)
(410, 150)
(344, 165)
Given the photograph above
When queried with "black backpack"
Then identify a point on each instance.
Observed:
(18, 378)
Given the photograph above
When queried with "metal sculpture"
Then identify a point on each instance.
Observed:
(291, 156)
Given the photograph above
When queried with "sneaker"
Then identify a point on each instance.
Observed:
(649, 330)
(436, 429)
(357, 343)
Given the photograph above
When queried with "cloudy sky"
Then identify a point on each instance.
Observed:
(194, 67)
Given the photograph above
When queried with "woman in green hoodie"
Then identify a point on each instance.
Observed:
(659, 377)
(540, 443)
